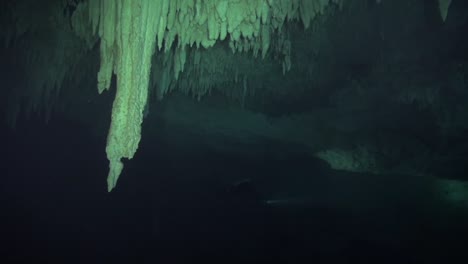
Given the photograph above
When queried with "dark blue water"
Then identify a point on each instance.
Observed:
(178, 208)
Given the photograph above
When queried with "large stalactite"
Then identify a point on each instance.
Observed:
(128, 37)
